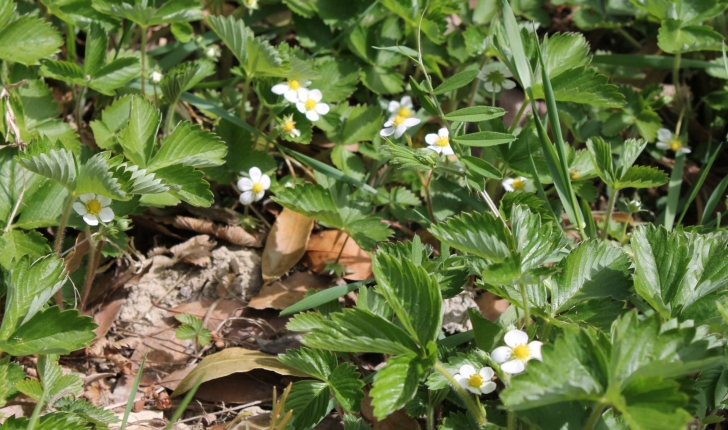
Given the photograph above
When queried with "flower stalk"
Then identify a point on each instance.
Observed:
(478, 412)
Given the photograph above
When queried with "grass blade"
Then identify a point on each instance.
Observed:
(323, 297)
(699, 184)
(673, 193)
(651, 62)
(713, 200)
(182, 406)
(132, 394)
(513, 31)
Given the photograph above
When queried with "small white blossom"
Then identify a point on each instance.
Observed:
(212, 52)
(519, 184)
(517, 353)
(477, 383)
(288, 125)
(439, 142)
(253, 188)
(666, 140)
(251, 4)
(495, 77)
(403, 108)
(309, 103)
(289, 89)
(156, 77)
(93, 207)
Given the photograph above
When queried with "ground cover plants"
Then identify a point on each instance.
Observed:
(563, 157)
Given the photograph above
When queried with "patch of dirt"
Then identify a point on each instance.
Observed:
(455, 318)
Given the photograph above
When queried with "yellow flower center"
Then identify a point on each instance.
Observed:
(442, 141)
(294, 84)
(257, 188)
(521, 352)
(93, 206)
(310, 104)
(398, 120)
(675, 145)
(289, 126)
(574, 175)
(404, 112)
(519, 184)
(475, 380)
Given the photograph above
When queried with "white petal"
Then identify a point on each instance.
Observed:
(411, 122)
(393, 106)
(664, 135)
(386, 132)
(467, 370)
(312, 115)
(389, 123)
(501, 354)
(246, 198)
(488, 387)
(259, 196)
(529, 187)
(86, 197)
(399, 130)
(295, 132)
(255, 174)
(443, 132)
(305, 83)
(406, 102)
(291, 96)
(321, 108)
(513, 366)
(462, 381)
(684, 150)
(661, 145)
(447, 150)
(91, 219)
(473, 390)
(280, 88)
(105, 201)
(535, 348)
(106, 214)
(301, 107)
(80, 208)
(431, 138)
(245, 184)
(302, 94)
(509, 84)
(487, 373)
(515, 337)
(265, 181)
(508, 184)
(315, 95)
(488, 86)
(435, 148)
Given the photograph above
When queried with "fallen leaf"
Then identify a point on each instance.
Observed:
(230, 233)
(491, 306)
(326, 246)
(286, 244)
(396, 421)
(194, 251)
(75, 255)
(233, 360)
(282, 294)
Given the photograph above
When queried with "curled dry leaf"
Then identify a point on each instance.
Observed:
(282, 294)
(195, 251)
(286, 244)
(325, 247)
(230, 233)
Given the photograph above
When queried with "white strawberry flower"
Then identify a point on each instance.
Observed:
(156, 77)
(403, 108)
(397, 125)
(476, 382)
(253, 188)
(495, 77)
(288, 125)
(251, 4)
(519, 184)
(93, 207)
(309, 103)
(517, 353)
(212, 52)
(439, 142)
(666, 140)
(289, 89)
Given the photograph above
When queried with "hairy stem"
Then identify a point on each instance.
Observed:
(524, 297)
(477, 411)
(143, 50)
(608, 215)
(94, 258)
(594, 416)
(36, 414)
(518, 116)
(70, 43)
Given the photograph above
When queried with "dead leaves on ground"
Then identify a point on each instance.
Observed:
(230, 233)
(286, 244)
(326, 246)
(282, 294)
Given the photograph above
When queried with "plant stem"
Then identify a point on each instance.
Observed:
(524, 298)
(428, 198)
(430, 412)
(519, 114)
(62, 225)
(676, 77)
(479, 416)
(70, 43)
(143, 50)
(79, 107)
(36, 414)
(594, 416)
(624, 228)
(341, 251)
(608, 215)
(246, 90)
(170, 118)
(94, 258)
(511, 420)
(629, 38)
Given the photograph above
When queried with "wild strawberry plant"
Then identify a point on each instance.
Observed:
(591, 204)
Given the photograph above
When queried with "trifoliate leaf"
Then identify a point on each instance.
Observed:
(113, 118)
(138, 136)
(362, 125)
(114, 75)
(63, 71)
(309, 401)
(233, 33)
(95, 176)
(347, 387)
(480, 234)
(28, 40)
(50, 332)
(381, 80)
(675, 37)
(183, 77)
(396, 383)
(337, 79)
(16, 243)
(315, 362)
(189, 145)
(641, 177)
(56, 164)
(185, 183)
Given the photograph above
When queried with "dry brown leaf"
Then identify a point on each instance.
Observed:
(325, 247)
(286, 244)
(230, 233)
(282, 294)
(491, 306)
(106, 316)
(233, 360)
(195, 251)
(224, 215)
(75, 256)
(397, 421)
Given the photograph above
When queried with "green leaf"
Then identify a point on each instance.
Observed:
(96, 176)
(421, 159)
(515, 43)
(314, 201)
(28, 40)
(413, 294)
(583, 85)
(182, 31)
(480, 234)
(309, 401)
(10, 374)
(593, 270)
(337, 80)
(353, 330)
(456, 81)
(185, 183)
(14, 244)
(115, 75)
(481, 167)
(382, 80)
(171, 11)
(56, 164)
(189, 145)
(475, 114)
(641, 177)
(348, 162)
(233, 33)
(63, 71)
(484, 138)
(323, 297)
(601, 155)
(315, 362)
(263, 59)
(362, 125)
(347, 387)
(183, 77)
(113, 118)
(487, 334)
(50, 332)
(137, 181)
(675, 38)
(186, 332)
(396, 383)
(97, 42)
(138, 136)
